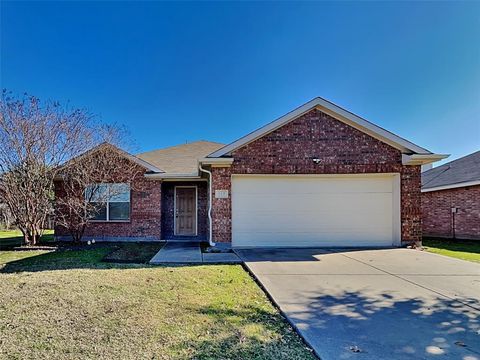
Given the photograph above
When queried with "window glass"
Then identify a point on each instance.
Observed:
(100, 211)
(111, 201)
(119, 192)
(119, 210)
(97, 193)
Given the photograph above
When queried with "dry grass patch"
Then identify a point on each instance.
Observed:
(69, 305)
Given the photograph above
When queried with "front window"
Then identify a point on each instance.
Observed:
(111, 202)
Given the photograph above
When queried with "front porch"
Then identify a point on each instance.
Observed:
(184, 215)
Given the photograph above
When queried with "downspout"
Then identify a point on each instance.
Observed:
(210, 241)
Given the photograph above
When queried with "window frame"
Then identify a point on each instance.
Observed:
(107, 207)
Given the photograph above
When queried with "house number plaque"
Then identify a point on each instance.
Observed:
(221, 194)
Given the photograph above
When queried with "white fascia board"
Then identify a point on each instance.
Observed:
(160, 176)
(422, 159)
(334, 111)
(452, 186)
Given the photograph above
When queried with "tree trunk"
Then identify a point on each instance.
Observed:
(26, 240)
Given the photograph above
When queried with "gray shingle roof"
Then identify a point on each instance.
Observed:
(180, 159)
(457, 171)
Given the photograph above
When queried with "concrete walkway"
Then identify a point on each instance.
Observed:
(375, 304)
(190, 253)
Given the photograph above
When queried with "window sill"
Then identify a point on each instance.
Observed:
(109, 221)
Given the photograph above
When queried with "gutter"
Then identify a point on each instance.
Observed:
(210, 241)
(452, 186)
(221, 162)
(160, 176)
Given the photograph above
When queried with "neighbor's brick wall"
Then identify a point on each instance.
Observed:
(145, 210)
(341, 149)
(438, 217)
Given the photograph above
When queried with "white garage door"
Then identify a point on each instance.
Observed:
(309, 211)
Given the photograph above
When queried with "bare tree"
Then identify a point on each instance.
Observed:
(81, 190)
(36, 139)
(5, 217)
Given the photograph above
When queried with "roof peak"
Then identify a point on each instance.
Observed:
(183, 145)
(338, 113)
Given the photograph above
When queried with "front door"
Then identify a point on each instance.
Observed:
(186, 211)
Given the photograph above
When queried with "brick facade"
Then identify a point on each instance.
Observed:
(221, 208)
(438, 219)
(145, 212)
(341, 149)
(151, 211)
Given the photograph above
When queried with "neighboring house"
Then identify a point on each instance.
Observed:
(317, 176)
(451, 199)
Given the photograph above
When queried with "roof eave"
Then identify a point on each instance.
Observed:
(452, 186)
(161, 176)
(422, 159)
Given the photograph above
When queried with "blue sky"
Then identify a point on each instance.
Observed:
(175, 72)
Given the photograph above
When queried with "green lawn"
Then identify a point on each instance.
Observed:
(70, 305)
(9, 238)
(460, 249)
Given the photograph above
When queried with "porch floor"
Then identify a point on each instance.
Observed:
(190, 253)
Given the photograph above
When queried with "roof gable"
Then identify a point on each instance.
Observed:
(107, 146)
(336, 112)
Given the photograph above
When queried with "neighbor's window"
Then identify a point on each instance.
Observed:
(112, 201)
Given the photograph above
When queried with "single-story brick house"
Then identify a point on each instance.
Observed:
(451, 199)
(317, 176)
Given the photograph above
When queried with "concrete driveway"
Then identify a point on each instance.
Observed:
(375, 304)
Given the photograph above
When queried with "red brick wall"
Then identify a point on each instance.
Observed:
(438, 218)
(145, 212)
(341, 149)
(221, 208)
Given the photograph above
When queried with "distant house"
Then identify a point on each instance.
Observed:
(451, 199)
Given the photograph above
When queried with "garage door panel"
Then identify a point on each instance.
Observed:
(307, 240)
(320, 227)
(302, 220)
(331, 208)
(261, 184)
(310, 202)
(312, 211)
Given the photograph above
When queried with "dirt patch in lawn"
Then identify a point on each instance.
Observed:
(133, 253)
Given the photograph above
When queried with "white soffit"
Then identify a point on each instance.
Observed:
(338, 113)
(422, 159)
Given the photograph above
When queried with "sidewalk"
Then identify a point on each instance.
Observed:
(190, 253)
